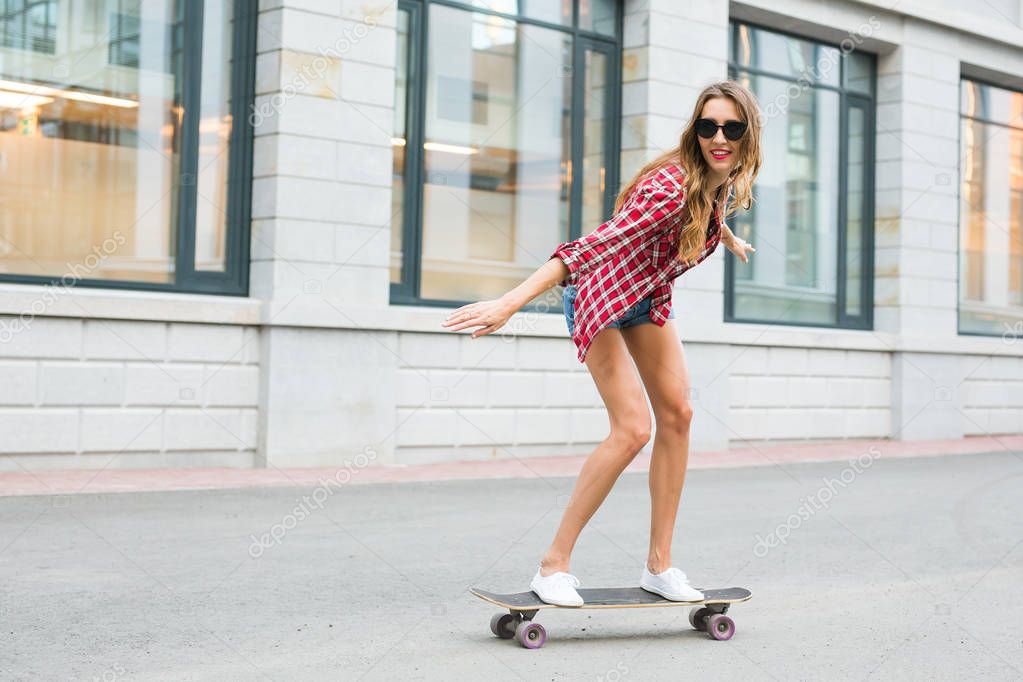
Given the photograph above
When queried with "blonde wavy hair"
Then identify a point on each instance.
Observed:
(699, 202)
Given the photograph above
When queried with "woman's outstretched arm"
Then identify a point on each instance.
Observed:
(492, 315)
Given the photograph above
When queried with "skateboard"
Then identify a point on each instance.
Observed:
(706, 616)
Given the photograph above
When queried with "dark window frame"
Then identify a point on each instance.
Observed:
(407, 292)
(234, 280)
(848, 98)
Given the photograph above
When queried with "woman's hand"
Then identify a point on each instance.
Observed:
(489, 315)
(737, 245)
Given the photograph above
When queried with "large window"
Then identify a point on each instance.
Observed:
(813, 204)
(506, 140)
(124, 142)
(991, 210)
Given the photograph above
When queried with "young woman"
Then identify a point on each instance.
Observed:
(668, 218)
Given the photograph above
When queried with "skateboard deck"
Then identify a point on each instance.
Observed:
(707, 615)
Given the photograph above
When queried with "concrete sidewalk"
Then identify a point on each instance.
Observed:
(140, 480)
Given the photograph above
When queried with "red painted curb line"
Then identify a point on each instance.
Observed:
(66, 482)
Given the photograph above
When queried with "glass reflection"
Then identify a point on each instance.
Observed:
(991, 211)
(498, 106)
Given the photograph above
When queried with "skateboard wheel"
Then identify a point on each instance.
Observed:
(530, 635)
(502, 625)
(720, 627)
(697, 617)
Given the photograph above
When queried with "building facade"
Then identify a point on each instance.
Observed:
(229, 232)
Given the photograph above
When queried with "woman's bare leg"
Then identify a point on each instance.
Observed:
(661, 363)
(618, 384)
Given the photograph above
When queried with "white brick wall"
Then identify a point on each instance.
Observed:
(322, 153)
(776, 393)
(993, 396)
(781, 393)
(18, 379)
(459, 398)
(917, 187)
(100, 393)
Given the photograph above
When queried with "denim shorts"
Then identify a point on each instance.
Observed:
(637, 314)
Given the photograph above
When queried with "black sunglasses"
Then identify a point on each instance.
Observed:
(707, 128)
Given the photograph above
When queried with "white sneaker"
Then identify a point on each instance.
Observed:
(556, 588)
(672, 584)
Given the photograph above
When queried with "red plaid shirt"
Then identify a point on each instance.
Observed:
(632, 255)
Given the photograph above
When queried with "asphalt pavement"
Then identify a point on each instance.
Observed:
(897, 569)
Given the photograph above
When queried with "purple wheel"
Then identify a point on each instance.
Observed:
(530, 635)
(720, 627)
(697, 617)
(503, 625)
